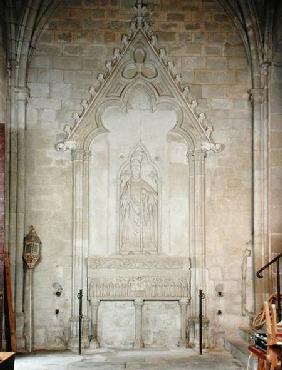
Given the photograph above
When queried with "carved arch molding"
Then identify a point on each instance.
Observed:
(138, 149)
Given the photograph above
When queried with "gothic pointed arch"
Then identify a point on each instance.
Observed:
(140, 60)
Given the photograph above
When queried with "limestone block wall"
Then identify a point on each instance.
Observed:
(3, 93)
(3, 78)
(72, 49)
(275, 136)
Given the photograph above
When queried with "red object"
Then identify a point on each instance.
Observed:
(2, 225)
(2, 186)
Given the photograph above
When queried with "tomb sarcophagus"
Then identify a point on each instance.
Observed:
(139, 278)
(147, 277)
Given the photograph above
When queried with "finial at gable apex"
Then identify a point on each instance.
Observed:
(142, 15)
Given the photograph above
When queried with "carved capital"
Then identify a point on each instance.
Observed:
(95, 303)
(183, 302)
(63, 146)
(138, 302)
(265, 67)
(257, 95)
(22, 93)
(87, 155)
(208, 146)
(196, 155)
(80, 154)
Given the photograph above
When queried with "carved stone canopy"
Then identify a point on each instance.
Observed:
(138, 147)
(139, 62)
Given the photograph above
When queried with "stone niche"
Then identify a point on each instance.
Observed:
(138, 150)
(138, 212)
(139, 175)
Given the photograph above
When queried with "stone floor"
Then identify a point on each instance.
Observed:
(131, 360)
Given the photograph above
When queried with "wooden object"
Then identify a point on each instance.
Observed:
(7, 360)
(261, 357)
(271, 359)
(274, 338)
(9, 311)
(259, 319)
(2, 224)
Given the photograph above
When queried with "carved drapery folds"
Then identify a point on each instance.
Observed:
(140, 119)
(138, 205)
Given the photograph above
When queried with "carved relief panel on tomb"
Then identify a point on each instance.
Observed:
(138, 205)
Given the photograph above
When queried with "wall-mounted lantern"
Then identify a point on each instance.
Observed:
(32, 248)
(31, 256)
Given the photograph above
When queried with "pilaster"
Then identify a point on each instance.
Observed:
(80, 159)
(183, 303)
(260, 252)
(73, 333)
(17, 165)
(196, 160)
(138, 343)
(94, 344)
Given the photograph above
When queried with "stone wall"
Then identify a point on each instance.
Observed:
(3, 93)
(3, 77)
(72, 49)
(275, 133)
